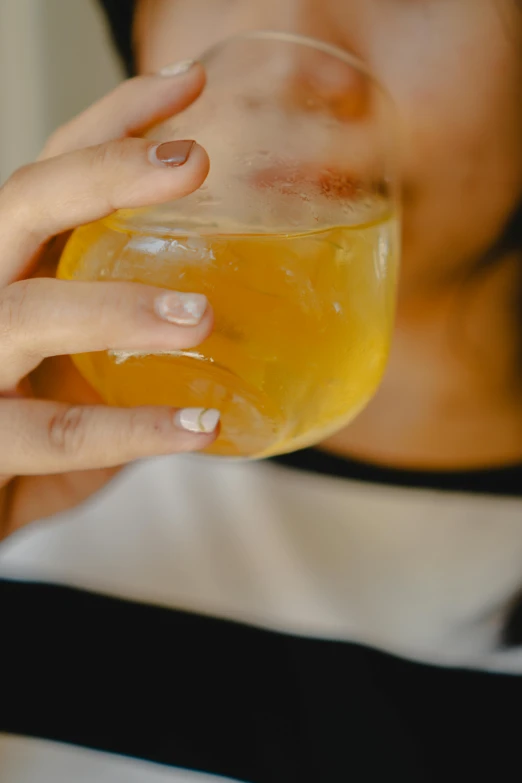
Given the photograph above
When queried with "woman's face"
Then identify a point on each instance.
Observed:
(453, 68)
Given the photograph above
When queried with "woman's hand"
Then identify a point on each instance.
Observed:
(53, 454)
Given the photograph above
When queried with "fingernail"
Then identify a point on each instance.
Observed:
(177, 69)
(180, 308)
(171, 153)
(197, 419)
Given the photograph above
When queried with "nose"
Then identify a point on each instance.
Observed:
(316, 79)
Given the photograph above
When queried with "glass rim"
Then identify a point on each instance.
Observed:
(126, 217)
(291, 38)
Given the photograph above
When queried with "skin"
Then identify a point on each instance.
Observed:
(449, 398)
(453, 69)
(56, 453)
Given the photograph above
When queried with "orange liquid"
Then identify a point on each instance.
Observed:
(302, 330)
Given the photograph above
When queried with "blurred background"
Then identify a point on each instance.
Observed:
(55, 59)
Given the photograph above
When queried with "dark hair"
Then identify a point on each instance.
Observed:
(120, 15)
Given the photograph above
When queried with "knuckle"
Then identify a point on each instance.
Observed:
(112, 305)
(135, 431)
(102, 155)
(112, 153)
(57, 141)
(127, 88)
(146, 428)
(67, 430)
(15, 187)
(138, 429)
(18, 202)
(14, 309)
(120, 299)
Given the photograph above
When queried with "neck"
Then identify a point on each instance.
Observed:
(451, 398)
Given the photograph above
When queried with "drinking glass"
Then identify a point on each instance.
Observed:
(294, 239)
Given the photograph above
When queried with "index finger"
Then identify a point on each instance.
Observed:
(132, 107)
(60, 193)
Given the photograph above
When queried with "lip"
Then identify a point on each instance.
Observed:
(318, 180)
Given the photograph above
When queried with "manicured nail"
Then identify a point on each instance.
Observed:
(197, 419)
(177, 69)
(180, 308)
(171, 153)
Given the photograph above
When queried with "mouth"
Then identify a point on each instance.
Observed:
(311, 181)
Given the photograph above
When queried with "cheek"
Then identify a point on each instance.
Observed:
(453, 73)
(461, 182)
(169, 30)
(462, 121)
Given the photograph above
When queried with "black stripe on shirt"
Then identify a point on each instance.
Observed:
(254, 705)
(490, 481)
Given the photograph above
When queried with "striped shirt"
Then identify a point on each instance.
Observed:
(302, 619)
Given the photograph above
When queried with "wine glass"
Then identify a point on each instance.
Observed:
(294, 238)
